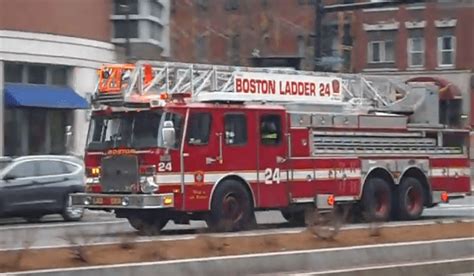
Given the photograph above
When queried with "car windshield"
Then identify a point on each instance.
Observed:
(4, 164)
(130, 129)
(177, 120)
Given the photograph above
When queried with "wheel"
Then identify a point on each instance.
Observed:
(70, 213)
(33, 219)
(294, 218)
(376, 200)
(410, 199)
(147, 224)
(231, 208)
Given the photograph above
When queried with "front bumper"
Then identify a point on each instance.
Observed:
(122, 201)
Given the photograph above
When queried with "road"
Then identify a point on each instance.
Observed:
(101, 227)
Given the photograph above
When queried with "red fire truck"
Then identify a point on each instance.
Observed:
(181, 142)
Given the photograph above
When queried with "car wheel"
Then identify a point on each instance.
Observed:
(71, 213)
(33, 219)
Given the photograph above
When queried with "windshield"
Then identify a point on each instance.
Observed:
(4, 164)
(131, 129)
(177, 120)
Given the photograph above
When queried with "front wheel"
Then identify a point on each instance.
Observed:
(147, 225)
(231, 208)
(410, 199)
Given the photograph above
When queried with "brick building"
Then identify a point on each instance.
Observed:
(432, 39)
(49, 53)
(240, 32)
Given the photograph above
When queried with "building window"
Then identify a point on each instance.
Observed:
(235, 129)
(416, 50)
(13, 72)
(59, 76)
(202, 4)
(156, 31)
(122, 7)
(37, 74)
(156, 9)
(201, 53)
(120, 29)
(381, 51)
(231, 5)
(446, 50)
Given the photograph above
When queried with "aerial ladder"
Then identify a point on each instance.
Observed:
(412, 110)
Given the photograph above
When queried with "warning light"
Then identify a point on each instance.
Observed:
(164, 96)
(444, 197)
(330, 200)
(95, 171)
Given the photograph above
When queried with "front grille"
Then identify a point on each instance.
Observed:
(119, 173)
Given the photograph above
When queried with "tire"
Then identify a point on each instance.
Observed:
(231, 208)
(70, 213)
(411, 199)
(33, 219)
(376, 200)
(147, 224)
(294, 218)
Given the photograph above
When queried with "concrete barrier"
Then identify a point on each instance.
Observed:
(320, 260)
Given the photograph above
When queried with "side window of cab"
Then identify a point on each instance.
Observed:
(270, 129)
(199, 128)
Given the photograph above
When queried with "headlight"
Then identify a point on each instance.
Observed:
(125, 201)
(149, 186)
(87, 200)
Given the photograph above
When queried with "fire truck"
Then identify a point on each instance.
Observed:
(181, 142)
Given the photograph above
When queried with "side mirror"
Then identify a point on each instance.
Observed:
(9, 177)
(169, 134)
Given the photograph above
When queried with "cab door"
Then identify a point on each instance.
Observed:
(272, 153)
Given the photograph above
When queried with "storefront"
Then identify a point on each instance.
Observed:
(36, 117)
(45, 81)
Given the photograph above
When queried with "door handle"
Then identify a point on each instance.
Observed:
(280, 159)
(210, 160)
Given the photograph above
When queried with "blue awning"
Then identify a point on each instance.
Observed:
(45, 96)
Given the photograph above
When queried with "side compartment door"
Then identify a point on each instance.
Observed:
(273, 184)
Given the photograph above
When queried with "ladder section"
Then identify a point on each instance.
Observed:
(344, 144)
(146, 81)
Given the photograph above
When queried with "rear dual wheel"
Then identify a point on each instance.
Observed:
(410, 199)
(376, 200)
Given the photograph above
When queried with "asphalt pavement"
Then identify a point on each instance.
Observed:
(102, 227)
